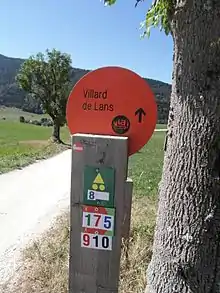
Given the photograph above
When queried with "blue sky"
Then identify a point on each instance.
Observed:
(93, 34)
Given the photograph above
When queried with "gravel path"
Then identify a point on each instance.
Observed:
(29, 200)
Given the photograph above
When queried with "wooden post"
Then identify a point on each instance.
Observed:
(97, 162)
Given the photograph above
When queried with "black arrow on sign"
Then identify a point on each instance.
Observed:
(140, 112)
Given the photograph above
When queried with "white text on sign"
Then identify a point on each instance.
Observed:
(96, 241)
(98, 221)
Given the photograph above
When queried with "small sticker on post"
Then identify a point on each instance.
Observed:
(95, 241)
(97, 195)
(99, 186)
(120, 124)
(98, 220)
(78, 147)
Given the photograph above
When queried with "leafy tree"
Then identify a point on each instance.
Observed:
(186, 249)
(46, 77)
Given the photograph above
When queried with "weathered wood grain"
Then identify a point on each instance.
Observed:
(96, 271)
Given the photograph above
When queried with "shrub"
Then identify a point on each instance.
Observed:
(21, 119)
(35, 122)
(43, 120)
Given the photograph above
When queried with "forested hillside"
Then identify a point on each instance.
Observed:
(12, 96)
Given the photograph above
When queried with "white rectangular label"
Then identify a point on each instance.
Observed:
(96, 241)
(97, 195)
(98, 221)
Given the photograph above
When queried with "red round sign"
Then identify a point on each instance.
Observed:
(113, 101)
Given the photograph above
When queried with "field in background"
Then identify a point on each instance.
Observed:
(45, 266)
(21, 143)
(14, 114)
(161, 126)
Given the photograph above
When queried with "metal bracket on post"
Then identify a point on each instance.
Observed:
(127, 217)
(97, 212)
(127, 208)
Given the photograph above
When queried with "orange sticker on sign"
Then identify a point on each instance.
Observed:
(113, 101)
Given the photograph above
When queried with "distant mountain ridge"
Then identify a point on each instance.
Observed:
(12, 96)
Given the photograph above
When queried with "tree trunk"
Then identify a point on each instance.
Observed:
(186, 249)
(56, 132)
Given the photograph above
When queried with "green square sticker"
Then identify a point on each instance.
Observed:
(99, 186)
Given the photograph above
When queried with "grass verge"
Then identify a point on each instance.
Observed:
(45, 262)
(22, 144)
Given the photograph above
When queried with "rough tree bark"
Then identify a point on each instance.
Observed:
(186, 250)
